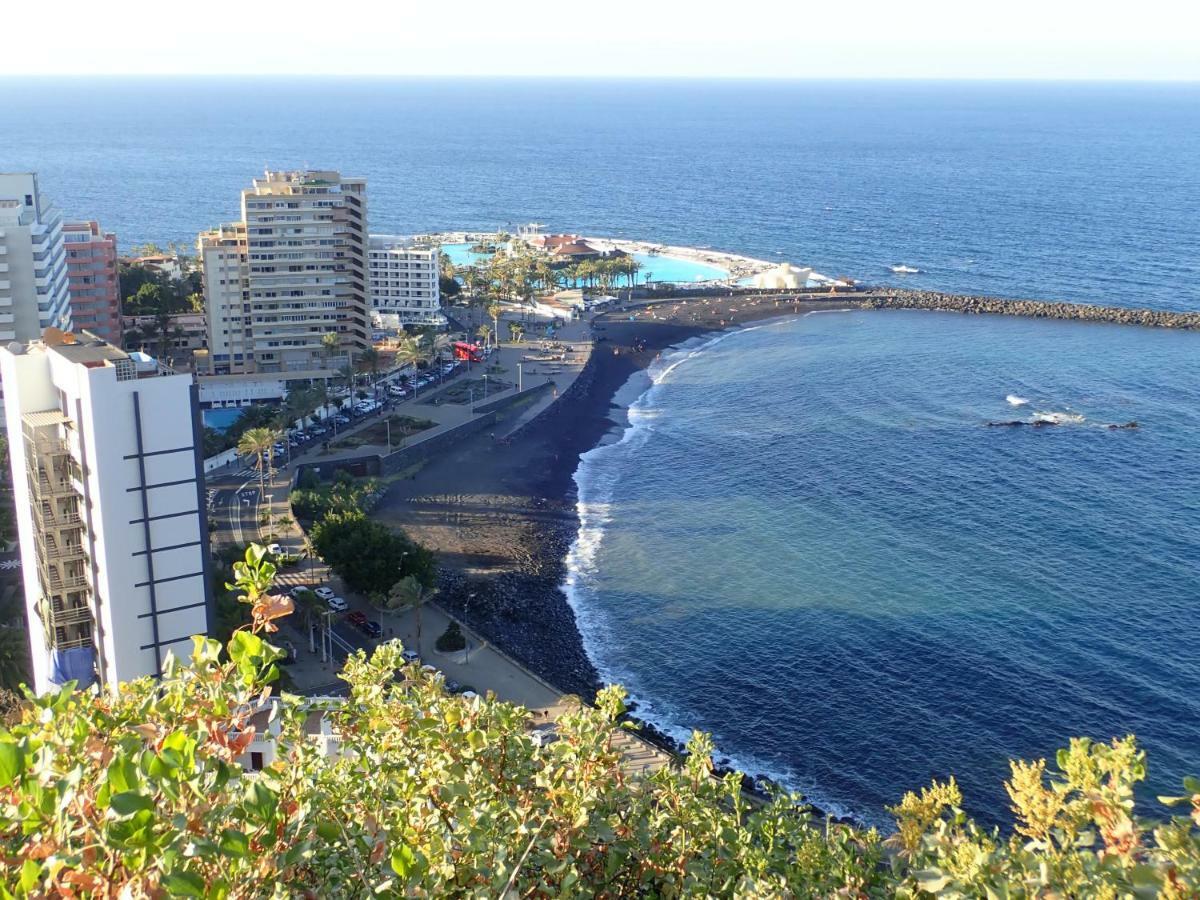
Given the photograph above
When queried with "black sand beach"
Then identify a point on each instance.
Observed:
(502, 517)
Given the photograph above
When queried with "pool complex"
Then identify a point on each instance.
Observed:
(659, 268)
(220, 419)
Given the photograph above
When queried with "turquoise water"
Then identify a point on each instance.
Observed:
(658, 268)
(220, 419)
(810, 543)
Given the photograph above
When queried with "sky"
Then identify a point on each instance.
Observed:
(953, 39)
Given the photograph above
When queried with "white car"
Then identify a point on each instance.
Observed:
(412, 656)
(545, 734)
(297, 591)
(274, 549)
(324, 593)
(337, 604)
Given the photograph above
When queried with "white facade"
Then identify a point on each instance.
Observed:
(222, 256)
(305, 272)
(110, 510)
(33, 261)
(404, 281)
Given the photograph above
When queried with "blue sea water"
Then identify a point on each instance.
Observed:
(1065, 191)
(809, 542)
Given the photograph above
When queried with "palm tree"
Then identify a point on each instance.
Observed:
(330, 345)
(515, 332)
(494, 311)
(370, 359)
(410, 592)
(258, 442)
(485, 333)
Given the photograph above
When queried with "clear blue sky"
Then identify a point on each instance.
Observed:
(1148, 39)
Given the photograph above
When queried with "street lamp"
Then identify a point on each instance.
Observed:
(485, 386)
(518, 378)
(466, 641)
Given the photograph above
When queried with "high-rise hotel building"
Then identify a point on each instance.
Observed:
(110, 503)
(304, 238)
(33, 261)
(403, 279)
(92, 280)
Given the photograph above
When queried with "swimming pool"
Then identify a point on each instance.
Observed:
(658, 268)
(220, 419)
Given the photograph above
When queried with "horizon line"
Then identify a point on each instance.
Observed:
(401, 76)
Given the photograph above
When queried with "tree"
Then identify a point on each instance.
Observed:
(330, 345)
(410, 593)
(14, 655)
(485, 333)
(370, 360)
(259, 443)
(515, 332)
(494, 311)
(369, 556)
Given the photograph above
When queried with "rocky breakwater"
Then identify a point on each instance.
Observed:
(1034, 309)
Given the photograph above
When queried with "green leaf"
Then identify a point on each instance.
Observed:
(328, 831)
(127, 803)
(234, 843)
(182, 883)
(931, 880)
(30, 871)
(403, 860)
(12, 762)
(1191, 784)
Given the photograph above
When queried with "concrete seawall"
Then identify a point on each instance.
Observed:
(1034, 309)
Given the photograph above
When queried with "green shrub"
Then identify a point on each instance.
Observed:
(451, 639)
(142, 794)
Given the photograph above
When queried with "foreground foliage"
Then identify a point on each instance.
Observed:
(434, 795)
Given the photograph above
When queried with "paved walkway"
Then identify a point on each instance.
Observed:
(483, 667)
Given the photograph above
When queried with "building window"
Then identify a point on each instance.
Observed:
(256, 760)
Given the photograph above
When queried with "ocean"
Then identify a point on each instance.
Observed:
(1082, 192)
(808, 541)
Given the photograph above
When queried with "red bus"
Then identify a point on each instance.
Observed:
(463, 350)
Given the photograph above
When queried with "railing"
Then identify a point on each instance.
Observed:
(65, 584)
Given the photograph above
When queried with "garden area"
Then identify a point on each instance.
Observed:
(401, 428)
(467, 391)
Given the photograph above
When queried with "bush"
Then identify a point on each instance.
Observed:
(451, 639)
(141, 793)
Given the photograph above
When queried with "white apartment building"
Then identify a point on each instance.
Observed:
(33, 261)
(404, 282)
(107, 478)
(222, 256)
(306, 271)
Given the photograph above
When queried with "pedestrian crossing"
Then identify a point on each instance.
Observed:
(246, 473)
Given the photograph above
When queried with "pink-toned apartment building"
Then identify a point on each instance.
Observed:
(92, 279)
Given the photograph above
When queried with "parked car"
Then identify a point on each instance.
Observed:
(337, 604)
(469, 694)
(453, 686)
(371, 627)
(325, 593)
(411, 656)
(296, 592)
(357, 617)
(274, 549)
(545, 734)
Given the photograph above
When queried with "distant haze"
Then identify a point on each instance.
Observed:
(1061, 39)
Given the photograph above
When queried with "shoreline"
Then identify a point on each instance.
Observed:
(502, 519)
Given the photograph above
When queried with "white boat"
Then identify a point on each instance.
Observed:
(901, 269)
